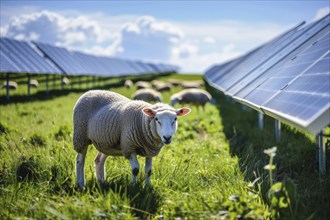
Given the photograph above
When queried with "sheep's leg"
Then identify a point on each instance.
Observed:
(135, 167)
(99, 166)
(148, 169)
(80, 172)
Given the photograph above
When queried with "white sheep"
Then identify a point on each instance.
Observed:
(34, 83)
(11, 85)
(148, 95)
(161, 87)
(128, 83)
(191, 84)
(65, 81)
(143, 85)
(118, 126)
(197, 97)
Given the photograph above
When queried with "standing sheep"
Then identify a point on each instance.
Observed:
(11, 85)
(143, 85)
(193, 96)
(128, 83)
(148, 95)
(34, 83)
(118, 126)
(191, 84)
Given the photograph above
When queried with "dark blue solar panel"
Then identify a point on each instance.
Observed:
(294, 67)
(25, 57)
(78, 63)
(288, 78)
(6, 65)
(298, 41)
(63, 58)
(225, 70)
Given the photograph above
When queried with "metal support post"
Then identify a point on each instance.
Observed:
(321, 148)
(261, 120)
(7, 87)
(277, 130)
(28, 85)
(47, 84)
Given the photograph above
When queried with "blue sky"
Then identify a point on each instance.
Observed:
(191, 34)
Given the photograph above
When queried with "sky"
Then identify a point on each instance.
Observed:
(191, 34)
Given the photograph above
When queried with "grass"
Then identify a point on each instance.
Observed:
(206, 173)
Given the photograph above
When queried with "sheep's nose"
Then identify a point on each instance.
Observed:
(167, 139)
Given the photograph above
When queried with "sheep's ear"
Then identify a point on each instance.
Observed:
(182, 111)
(149, 112)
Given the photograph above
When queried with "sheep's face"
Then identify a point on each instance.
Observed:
(166, 122)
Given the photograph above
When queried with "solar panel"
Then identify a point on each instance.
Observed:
(78, 63)
(287, 78)
(253, 60)
(6, 65)
(306, 98)
(287, 71)
(63, 58)
(225, 70)
(19, 56)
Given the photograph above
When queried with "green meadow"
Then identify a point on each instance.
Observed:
(213, 169)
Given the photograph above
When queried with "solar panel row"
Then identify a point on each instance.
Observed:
(287, 78)
(20, 56)
(24, 57)
(78, 63)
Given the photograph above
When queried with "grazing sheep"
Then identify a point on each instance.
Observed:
(192, 96)
(148, 95)
(128, 83)
(155, 82)
(142, 85)
(65, 81)
(11, 85)
(189, 85)
(161, 87)
(34, 83)
(118, 126)
(175, 82)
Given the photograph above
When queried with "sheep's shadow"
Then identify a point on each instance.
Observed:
(145, 201)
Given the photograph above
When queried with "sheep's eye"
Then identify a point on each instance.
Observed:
(175, 119)
(157, 120)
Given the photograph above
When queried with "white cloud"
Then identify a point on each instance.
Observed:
(73, 32)
(184, 50)
(321, 13)
(148, 39)
(209, 40)
(194, 61)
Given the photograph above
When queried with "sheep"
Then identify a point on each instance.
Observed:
(162, 86)
(128, 83)
(143, 85)
(148, 95)
(119, 126)
(34, 83)
(65, 81)
(155, 82)
(192, 96)
(11, 85)
(175, 82)
(190, 84)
